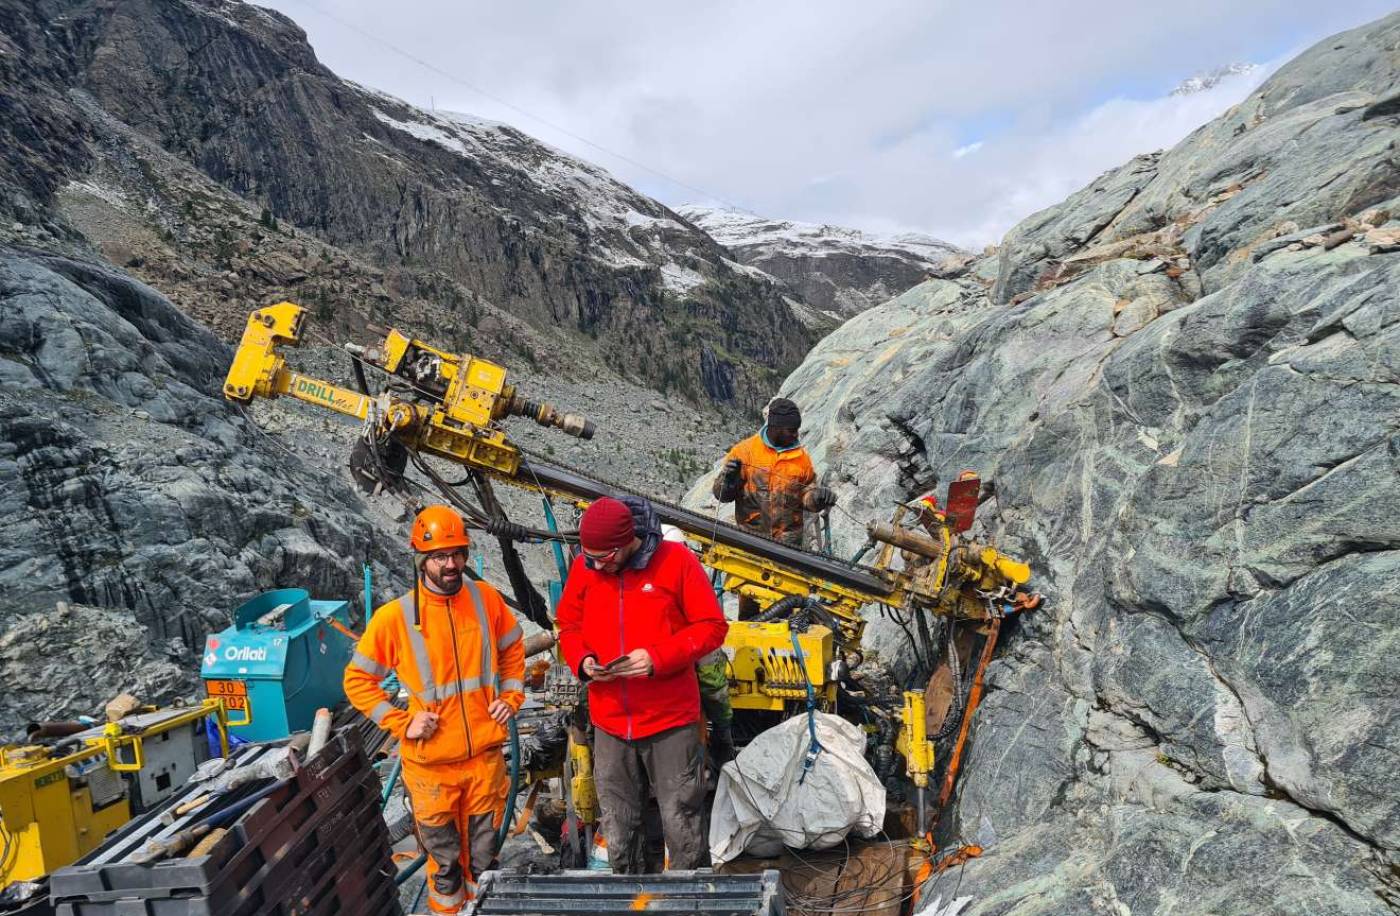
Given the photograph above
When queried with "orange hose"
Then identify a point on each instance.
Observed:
(974, 696)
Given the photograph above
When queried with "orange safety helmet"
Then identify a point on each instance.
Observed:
(439, 528)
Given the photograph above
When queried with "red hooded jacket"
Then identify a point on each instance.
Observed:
(662, 602)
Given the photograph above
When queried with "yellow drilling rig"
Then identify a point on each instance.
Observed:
(448, 406)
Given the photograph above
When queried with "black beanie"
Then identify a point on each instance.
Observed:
(783, 414)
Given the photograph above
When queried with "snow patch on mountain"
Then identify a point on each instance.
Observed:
(625, 230)
(1212, 78)
(736, 229)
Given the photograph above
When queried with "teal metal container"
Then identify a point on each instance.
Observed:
(279, 662)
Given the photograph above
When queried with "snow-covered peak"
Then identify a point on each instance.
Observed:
(835, 271)
(624, 228)
(737, 229)
(1213, 78)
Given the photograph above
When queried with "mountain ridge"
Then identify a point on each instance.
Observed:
(837, 270)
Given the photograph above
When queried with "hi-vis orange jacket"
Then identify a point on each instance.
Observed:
(454, 654)
(771, 492)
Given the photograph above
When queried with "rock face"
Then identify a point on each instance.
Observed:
(134, 492)
(832, 269)
(1184, 383)
(127, 109)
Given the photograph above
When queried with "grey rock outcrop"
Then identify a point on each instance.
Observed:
(1194, 438)
(129, 487)
(832, 269)
(1315, 143)
(70, 659)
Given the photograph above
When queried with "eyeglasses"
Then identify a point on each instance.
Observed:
(442, 556)
(598, 561)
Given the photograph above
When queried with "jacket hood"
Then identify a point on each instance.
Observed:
(647, 527)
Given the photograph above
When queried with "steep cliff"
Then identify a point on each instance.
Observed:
(124, 111)
(135, 494)
(1184, 385)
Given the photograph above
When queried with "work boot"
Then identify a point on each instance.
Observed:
(722, 743)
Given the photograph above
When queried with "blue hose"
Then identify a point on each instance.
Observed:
(392, 780)
(555, 545)
(419, 896)
(509, 816)
(411, 870)
(369, 595)
(814, 747)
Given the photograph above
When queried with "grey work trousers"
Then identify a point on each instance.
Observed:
(672, 764)
(443, 844)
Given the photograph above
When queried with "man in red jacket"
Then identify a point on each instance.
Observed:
(636, 615)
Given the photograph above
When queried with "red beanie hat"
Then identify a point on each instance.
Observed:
(606, 524)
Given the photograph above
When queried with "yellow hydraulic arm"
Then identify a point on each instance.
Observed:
(259, 370)
(466, 395)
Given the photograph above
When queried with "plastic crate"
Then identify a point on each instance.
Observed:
(350, 850)
(259, 835)
(359, 875)
(517, 893)
(295, 842)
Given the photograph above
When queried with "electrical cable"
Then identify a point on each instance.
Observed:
(6, 849)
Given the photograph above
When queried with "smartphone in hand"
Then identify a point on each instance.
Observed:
(617, 662)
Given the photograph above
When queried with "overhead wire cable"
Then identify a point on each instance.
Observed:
(428, 65)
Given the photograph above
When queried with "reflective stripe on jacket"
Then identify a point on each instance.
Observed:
(453, 654)
(771, 495)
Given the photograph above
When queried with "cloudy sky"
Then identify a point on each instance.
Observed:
(952, 117)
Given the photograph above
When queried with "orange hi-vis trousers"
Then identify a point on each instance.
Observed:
(457, 808)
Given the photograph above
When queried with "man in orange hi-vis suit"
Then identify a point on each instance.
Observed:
(771, 482)
(458, 651)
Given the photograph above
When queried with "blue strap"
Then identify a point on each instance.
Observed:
(560, 563)
(814, 748)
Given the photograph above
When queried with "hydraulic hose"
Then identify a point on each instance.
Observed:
(391, 781)
(781, 609)
(509, 816)
(412, 869)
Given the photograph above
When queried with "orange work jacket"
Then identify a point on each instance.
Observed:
(454, 654)
(773, 490)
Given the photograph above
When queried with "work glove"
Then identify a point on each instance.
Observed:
(820, 498)
(733, 468)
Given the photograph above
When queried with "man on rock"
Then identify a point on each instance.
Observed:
(770, 479)
(457, 650)
(636, 615)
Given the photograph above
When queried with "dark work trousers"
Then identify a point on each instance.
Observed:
(443, 843)
(672, 764)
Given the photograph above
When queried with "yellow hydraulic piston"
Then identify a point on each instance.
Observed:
(584, 793)
(915, 745)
